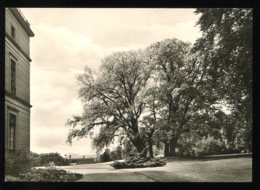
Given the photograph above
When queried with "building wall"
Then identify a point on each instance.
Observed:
(21, 36)
(22, 134)
(22, 72)
(19, 104)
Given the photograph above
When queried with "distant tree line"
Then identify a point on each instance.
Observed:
(187, 99)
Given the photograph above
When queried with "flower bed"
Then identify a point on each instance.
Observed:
(138, 162)
(151, 163)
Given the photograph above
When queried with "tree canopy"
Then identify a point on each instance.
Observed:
(174, 93)
(113, 99)
(227, 42)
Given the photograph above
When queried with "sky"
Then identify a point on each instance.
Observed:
(66, 40)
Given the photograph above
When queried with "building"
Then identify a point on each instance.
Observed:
(17, 81)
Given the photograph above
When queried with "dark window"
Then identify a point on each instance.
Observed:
(13, 77)
(12, 126)
(13, 31)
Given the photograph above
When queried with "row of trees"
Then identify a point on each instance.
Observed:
(172, 91)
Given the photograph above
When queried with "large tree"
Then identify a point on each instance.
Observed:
(150, 121)
(227, 42)
(113, 100)
(182, 80)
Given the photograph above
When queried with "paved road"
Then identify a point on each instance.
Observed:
(223, 170)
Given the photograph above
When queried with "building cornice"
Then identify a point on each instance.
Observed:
(24, 23)
(25, 103)
(12, 109)
(17, 46)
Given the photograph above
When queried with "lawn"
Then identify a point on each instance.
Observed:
(221, 170)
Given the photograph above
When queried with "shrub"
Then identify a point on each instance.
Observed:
(186, 144)
(116, 154)
(53, 157)
(150, 163)
(197, 146)
(118, 165)
(50, 174)
(138, 161)
(35, 159)
(208, 146)
(105, 157)
(17, 162)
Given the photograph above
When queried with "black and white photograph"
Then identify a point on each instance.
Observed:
(128, 94)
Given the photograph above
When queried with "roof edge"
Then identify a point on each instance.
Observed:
(24, 23)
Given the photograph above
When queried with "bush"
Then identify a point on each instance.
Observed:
(105, 157)
(116, 154)
(55, 158)
(17, 162)
(150, 163)
(118, 165)
(138, 161)
(50, 174)
(197, 146)
(209, 146)
(186, 144)
(35, 159)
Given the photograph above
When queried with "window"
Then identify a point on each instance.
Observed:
(12, 126)
(12, 31)
(13, 77)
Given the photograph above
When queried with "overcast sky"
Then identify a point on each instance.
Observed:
(68, 39)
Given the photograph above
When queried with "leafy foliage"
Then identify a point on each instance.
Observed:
(175, 93)
(113, 99)
(227, 44)
(105, 157)
(180, 77)
(18, 162)
(55, 158)
(151, 163)
(50, 174)
(138, 161)
(197, 146)
(116, 154)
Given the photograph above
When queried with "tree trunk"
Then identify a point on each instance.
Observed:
(166, 149)
(172, 148)
(139, 144)
(150, 149)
